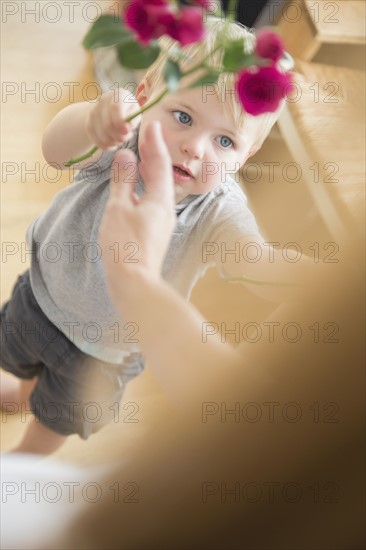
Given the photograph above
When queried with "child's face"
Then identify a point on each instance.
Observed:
(201, 137)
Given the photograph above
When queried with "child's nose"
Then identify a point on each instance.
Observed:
(193, 146)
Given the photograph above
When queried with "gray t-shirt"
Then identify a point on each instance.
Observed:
(66, 272)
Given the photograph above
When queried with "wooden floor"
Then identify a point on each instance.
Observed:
(44, 67)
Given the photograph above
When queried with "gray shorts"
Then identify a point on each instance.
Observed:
(75, 393)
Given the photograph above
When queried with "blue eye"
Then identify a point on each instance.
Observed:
(182, 117)
(226, 142)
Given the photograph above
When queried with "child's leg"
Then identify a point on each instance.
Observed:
(9, 391)
(26, 388)
(15, 392)
(14, 396)
(25, 355)
(39, 440)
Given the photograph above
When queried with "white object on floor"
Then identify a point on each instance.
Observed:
(41, 497)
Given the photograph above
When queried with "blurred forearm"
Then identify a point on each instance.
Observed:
(171, 336)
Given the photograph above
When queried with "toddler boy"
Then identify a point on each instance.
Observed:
(59, 328)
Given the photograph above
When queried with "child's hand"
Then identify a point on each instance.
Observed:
(105, 124)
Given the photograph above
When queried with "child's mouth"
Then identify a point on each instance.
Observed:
(181, 175)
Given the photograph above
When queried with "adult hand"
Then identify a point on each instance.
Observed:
(141, 227)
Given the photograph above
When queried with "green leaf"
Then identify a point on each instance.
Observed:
(106, 31)
(251, 60)
(208, 78)
(235, 58)
(172, 75)
(133, 55)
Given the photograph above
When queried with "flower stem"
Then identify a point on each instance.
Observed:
(201, 64)
(231, 10)
(90, 153)
(256, 281)
(147, 106)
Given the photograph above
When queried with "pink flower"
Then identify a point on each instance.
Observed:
(187, 26)
(262, 91)
(269, 45)
(148, 18)
(203, 3)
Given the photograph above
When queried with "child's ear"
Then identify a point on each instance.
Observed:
(250, 153)
(142, 92)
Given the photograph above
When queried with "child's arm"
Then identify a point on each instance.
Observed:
(256, 259)
(80, 126)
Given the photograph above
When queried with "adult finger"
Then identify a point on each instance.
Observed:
(156, 165)
(124, 175)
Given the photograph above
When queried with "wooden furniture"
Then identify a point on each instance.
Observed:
(323, 125)
(307, 25)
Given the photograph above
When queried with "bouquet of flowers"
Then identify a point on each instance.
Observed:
(259, 84)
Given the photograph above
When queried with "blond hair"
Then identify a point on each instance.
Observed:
(217, 32)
